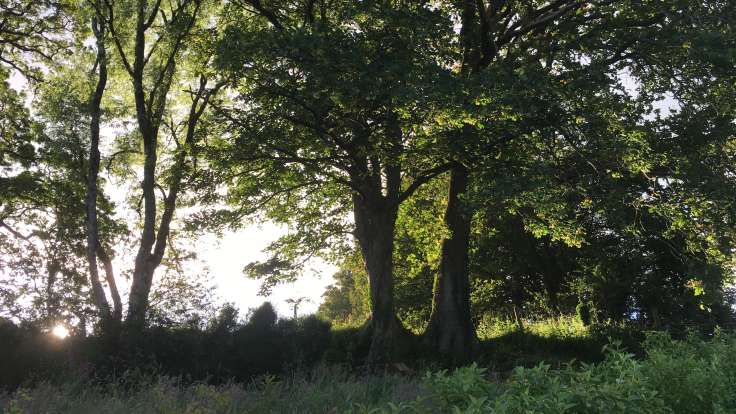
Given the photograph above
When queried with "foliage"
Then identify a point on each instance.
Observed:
(690, 376)
(598, 138)
(347, 301)
(42, 206)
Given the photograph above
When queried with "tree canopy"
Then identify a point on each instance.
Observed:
(457, 160)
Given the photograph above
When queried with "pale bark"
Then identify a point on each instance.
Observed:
(117, 304)
(152, 248)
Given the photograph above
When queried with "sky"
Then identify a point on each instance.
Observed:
(226, 255)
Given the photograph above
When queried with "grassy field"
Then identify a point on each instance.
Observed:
(686, 376)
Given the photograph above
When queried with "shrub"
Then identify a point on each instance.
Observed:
(464, 387)
(692, 375)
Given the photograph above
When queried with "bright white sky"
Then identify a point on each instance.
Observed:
(226, 256)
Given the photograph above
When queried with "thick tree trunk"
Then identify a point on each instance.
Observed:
(138, 299)
(450, 329)
(374, 229)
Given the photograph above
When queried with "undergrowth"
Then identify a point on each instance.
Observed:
(675, 376)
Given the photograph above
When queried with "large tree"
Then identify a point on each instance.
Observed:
(336, 115)
(533, 42)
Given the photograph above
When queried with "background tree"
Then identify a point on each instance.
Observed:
(150, 45)
(43, 205)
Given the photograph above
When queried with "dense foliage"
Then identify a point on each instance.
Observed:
(474, 168)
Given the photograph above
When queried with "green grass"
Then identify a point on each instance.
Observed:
(686, 376)
(325, 390)
(563, 327)
(504, 345)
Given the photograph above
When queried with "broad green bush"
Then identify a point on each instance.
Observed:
(688, 376)
(617, 385)
(692, 375)
(460, 389)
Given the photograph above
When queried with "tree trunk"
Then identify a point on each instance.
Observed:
(117, 303)
(52, 300)
(150, 104)
(98, 293)
(374, 229)
(450, 329)
(138, 298)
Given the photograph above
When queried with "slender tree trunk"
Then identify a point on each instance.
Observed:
(98, 293)
(150, 104)
(52, 301)
(117, 303)
(374, 229)
(148, 123)
(450, 329)
(145, 262)
(154, 241)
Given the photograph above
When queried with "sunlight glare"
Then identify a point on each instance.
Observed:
(60, 331)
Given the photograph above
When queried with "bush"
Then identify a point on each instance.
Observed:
(465, 388)
(690, 376)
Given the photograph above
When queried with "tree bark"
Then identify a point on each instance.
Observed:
(450, 330)
(138, 299)
(374, 228)
(117, 303)
(52, 301)
(98, 293)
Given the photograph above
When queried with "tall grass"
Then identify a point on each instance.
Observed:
(676, 376)
(324, 390)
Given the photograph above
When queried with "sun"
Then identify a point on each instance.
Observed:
(60, 331)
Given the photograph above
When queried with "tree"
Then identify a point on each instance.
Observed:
(615, 193)
(336, 111)
(549, 39)
(32, 30)
(95, 250)
(150, 54)
(43, 198)
(295, 302)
